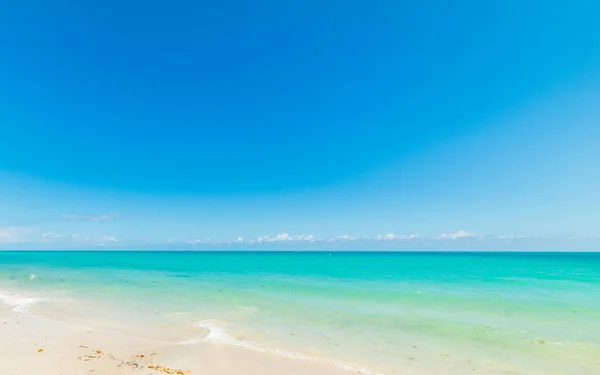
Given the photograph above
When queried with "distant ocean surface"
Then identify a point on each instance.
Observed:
(380, 313)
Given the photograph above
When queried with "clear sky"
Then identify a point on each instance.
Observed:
(300, 124)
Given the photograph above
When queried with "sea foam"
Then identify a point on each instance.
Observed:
(17, 302)
(218, 334)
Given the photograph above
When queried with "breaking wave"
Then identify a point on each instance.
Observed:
(218, 334)
(17, 302)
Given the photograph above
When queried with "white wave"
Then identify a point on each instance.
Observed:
(218, 334)
(18, 303)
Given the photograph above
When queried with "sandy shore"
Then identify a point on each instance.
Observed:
(34, 345)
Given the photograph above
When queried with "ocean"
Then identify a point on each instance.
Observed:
(371, 312)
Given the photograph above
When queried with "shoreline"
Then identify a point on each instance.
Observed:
(38, 345)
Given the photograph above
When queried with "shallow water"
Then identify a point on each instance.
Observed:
(391, 313)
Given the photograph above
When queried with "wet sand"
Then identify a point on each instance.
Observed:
(34, 345)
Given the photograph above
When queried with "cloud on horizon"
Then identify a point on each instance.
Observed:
(12, 238)
(456, 235)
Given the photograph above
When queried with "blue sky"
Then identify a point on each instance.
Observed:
(336, 124)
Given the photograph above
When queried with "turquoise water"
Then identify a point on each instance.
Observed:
(391, 313)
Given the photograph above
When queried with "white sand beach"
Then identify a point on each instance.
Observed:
(35, 345)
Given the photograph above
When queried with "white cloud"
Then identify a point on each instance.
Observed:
(342, 238)
(58, 236)
(88, 217)
(460, 239)
(456, 235)
(285, 237)
(206, 241)
(108, 238)
(282, 237)
(388, 237)
(393, 237)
